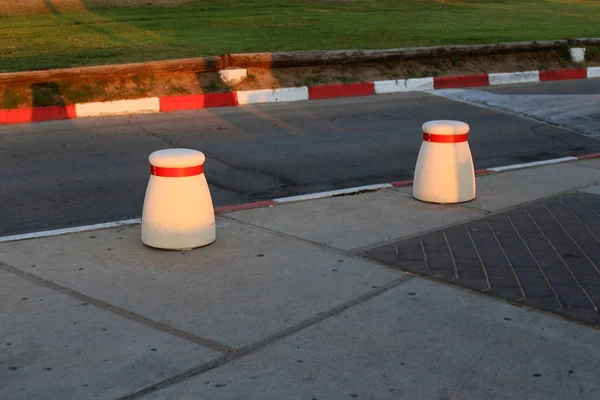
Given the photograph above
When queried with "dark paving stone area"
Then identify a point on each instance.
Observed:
(544, 255)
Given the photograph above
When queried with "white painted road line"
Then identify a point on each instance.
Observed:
(331, 193)
(67, 231)
(532, 164)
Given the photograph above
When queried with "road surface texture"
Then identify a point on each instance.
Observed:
(69, 173)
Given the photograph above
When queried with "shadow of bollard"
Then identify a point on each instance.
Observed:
(48, 103)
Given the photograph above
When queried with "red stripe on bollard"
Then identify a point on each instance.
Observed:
(176, 172)
(428, 137)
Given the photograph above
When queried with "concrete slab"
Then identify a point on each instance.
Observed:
(508, 189)
(591, 163)
(421, 340)
(56, 347)
(247, 285)
(356, 221)
(593, 189)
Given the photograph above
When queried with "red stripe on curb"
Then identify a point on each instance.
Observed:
(563, 74)
(198, 101)
(449, 82)
(247, 206)
(480, 172)
(333, 91)
(37, 114)
(15, 116)
(401, 183)
(588, 156)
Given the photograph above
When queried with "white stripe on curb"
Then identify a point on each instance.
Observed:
(322, 195)
(532, 164)
(66, 231)
(593, 72)
(119, 107)
(514, 77)
(272, 95)
(403, 85)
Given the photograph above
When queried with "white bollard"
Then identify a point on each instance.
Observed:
(577, 54)
(444, 172)
(233, 76)
(178, 211)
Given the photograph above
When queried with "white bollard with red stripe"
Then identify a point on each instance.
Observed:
(444, 172)
(178, 210)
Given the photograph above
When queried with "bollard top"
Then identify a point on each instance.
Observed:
(446, 127)
(177, 158)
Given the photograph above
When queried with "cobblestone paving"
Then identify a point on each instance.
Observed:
(545, 255)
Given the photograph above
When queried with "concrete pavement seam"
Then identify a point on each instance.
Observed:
(358, 250)
(116, 310)
(580, 165)
(347, 253)
(457, 205)
(488, 295)
(266, 341)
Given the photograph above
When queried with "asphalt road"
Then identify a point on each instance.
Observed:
(69, 173)
(574, 105)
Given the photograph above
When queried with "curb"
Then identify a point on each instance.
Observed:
(288, 200)
(373, 188)
(233, 99)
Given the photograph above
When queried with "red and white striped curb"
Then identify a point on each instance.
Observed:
(286, 200)
(372, 188)
(232, 99)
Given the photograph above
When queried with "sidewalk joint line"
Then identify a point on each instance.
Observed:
(464, 205)
(424, 232)
(116, 310)
(266, 341)
(347, 253)
(581, 165)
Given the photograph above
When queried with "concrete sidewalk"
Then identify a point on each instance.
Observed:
(312, 300)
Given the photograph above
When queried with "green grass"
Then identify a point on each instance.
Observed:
(209, 27)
